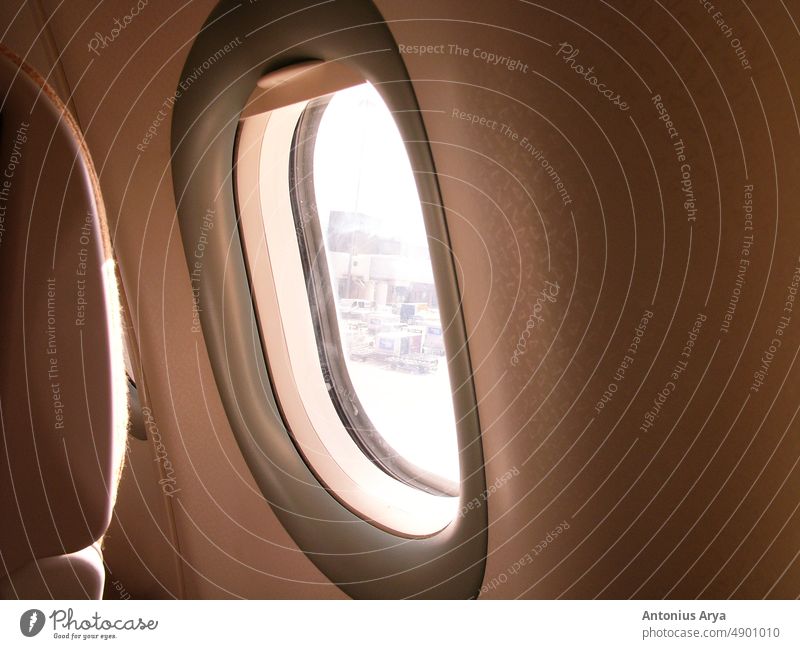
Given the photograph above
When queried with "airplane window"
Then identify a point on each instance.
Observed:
(318, 249)
(370, 282)
(343, 284)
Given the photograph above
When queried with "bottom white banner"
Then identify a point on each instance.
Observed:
(134, 623)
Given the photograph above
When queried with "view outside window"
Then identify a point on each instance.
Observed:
(380, 275)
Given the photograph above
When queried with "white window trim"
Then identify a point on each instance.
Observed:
(277, 277)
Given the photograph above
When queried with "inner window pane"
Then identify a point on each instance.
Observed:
(381, 277)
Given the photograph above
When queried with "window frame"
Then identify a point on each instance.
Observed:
(289, 339)
(361, 559)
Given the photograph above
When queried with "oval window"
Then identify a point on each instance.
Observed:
(380, 334)
(337, 249)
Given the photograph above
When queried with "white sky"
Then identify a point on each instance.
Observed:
(361, 165)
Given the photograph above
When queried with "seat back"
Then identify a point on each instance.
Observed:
(63, 410)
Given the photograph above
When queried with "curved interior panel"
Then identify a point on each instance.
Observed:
(613, 185)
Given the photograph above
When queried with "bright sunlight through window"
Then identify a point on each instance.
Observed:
(359, 217)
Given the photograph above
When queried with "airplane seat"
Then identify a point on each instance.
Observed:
(63, 409)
